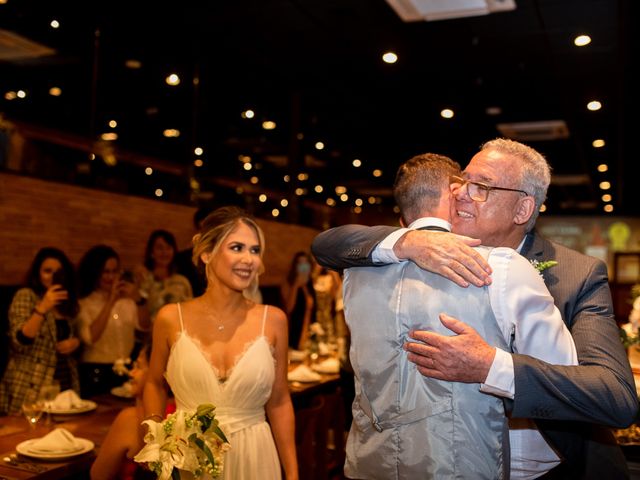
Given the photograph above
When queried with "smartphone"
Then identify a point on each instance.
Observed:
(127, 276)
(58, 278)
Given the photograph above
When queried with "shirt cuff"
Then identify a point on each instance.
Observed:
(500, 380)
(383, 252)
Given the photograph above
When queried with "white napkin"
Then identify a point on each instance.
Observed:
(59, 440)
(67, 400)
(323, 348)
(296, 355)
(330, 365)
(302, 373)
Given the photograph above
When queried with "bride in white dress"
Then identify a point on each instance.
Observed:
(224, 349)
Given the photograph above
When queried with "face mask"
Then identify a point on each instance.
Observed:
(303, 268)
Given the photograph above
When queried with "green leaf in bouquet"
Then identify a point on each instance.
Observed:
(200, 443)
(217, 431)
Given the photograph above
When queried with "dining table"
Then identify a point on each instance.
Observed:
(93, 425)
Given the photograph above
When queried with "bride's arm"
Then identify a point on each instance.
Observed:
(155, 391)
(279, 407)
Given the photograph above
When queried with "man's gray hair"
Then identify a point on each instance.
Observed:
(535, 172)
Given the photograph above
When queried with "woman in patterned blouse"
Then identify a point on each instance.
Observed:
(42, 326)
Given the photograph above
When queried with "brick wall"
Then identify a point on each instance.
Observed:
(36, 213)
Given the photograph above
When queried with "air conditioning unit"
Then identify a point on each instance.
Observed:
(534, 131)
(429, 10)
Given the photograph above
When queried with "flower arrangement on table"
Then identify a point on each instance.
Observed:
(629, 332)
(184, 441)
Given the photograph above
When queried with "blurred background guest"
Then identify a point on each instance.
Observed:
(158, 279)
(328, 288)
(184, 258)
(42, 329)
(124, 438)
(111, 309)
(298, 298)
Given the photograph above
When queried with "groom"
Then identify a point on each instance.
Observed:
(566, 401)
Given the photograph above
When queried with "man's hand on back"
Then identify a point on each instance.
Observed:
(446, 254)
(464, 357)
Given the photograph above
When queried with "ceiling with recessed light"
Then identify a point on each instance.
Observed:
(291, 99)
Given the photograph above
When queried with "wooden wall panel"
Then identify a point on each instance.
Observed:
(36, 213)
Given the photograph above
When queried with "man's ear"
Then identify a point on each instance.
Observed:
(403, 224)
(525, 208)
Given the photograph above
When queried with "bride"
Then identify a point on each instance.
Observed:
(224, 349)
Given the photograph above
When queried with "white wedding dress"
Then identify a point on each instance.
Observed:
(239, 401)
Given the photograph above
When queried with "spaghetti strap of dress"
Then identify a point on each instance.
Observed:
(180, 315)
(264, 318)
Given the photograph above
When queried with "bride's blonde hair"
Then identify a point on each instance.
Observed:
(216, 227)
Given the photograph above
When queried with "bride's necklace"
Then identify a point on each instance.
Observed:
(218, 319)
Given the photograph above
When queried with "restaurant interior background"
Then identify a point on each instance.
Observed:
(299, 112)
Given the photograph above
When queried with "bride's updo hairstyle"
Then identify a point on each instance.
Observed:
(216, 227)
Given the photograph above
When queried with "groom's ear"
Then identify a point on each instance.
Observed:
(525, 208)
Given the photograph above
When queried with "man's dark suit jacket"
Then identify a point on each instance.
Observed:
(569, 403)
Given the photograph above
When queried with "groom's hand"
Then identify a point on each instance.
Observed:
(464, 357)
(446, 254)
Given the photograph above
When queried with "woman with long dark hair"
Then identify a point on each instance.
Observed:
(42, 326)
(111, 309)
(158, 280)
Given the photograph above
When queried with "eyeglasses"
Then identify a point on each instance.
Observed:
(479, 192)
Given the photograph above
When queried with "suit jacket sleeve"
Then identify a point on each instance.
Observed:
(601, 387)
(348, 245)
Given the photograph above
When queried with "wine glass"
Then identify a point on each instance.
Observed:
(32, 407)
(48, 394)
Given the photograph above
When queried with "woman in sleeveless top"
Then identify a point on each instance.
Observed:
(224, 349)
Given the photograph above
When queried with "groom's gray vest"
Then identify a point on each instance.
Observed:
(406, 426)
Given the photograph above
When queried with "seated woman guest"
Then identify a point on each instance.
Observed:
(42, 329)
(124, 438)
(111, 309)
(225, 349)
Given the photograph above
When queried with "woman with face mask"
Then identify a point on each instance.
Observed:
(298, 298)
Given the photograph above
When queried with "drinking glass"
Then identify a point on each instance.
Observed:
(48, 394)
(32, 407)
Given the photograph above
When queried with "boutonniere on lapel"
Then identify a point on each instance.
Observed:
(542, 266)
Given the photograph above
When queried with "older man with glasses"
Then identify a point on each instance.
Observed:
(497, 200)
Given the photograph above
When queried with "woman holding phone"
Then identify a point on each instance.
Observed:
(111, 310)
(42, 326)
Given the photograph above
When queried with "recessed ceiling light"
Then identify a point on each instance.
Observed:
(389, 57)
(594, 105)
(582, 40)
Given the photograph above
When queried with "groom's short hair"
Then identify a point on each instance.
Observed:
(419, 183)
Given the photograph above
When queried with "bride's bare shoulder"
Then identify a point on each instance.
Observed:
(168, 317)
(274, 314)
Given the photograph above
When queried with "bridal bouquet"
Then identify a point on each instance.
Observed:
(184, 441)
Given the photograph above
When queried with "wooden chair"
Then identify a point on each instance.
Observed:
(334, 425)
(311, 441)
